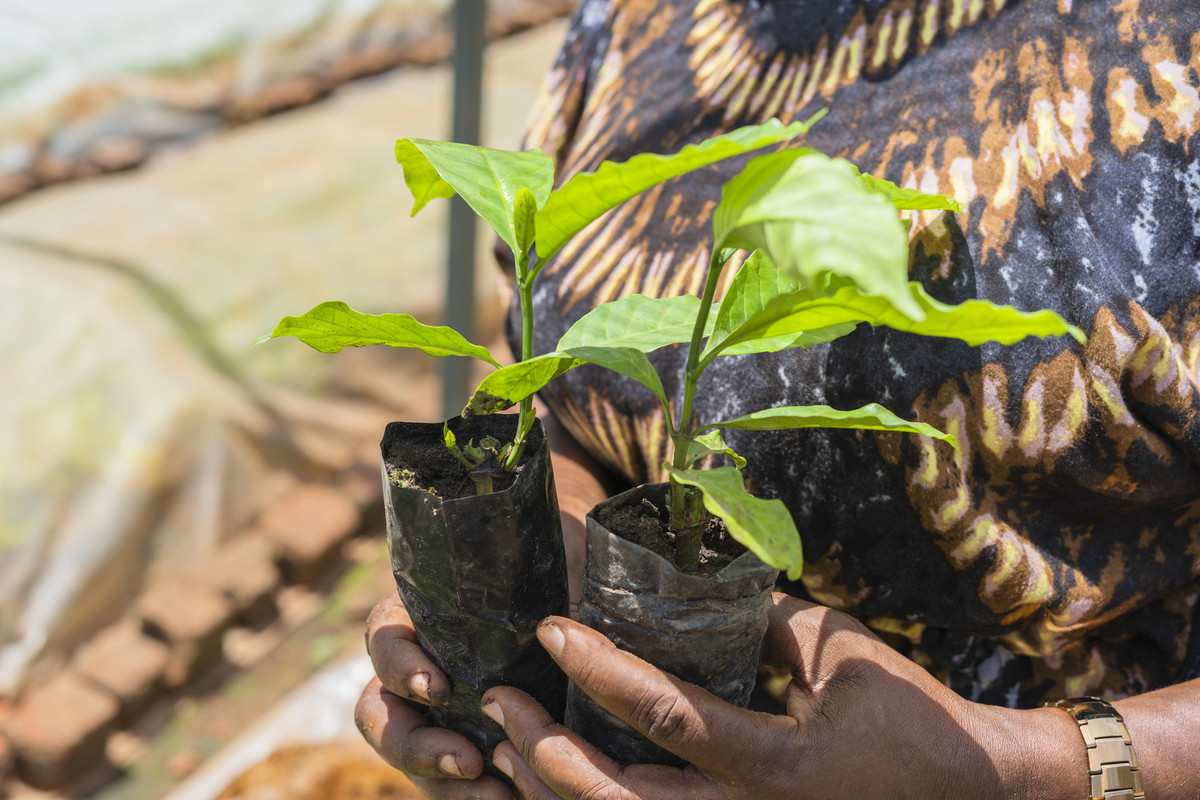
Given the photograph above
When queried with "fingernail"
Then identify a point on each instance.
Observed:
(419, 685)
(503, 764)
(552, 638)
(449, 765)
(492, 709)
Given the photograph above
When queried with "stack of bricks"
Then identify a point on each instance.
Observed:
(56, 733)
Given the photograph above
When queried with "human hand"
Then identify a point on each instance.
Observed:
(392, 714)
(861, 721)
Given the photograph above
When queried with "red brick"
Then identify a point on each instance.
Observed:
(116, 154)
(309, 525)
(58, 730)
(53, 169)
(245, 570)
(128, 664)
(191, 616)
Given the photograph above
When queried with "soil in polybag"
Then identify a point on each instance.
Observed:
(477, 573)
(706, 629)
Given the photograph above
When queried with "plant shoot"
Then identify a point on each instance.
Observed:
(514, 193)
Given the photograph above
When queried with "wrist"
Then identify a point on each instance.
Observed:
(1037, 754)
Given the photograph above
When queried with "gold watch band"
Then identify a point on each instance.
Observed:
(1112, 763)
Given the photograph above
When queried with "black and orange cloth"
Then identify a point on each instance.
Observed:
(1057, 552)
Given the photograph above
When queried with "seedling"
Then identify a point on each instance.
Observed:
(829, 250)
(514, 193)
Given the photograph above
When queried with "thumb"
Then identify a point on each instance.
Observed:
(679, 717)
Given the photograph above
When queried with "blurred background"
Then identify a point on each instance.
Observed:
(190, 526)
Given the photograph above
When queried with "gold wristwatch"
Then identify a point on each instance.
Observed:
(1112, 764)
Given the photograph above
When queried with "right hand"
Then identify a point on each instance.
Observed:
(393, 717)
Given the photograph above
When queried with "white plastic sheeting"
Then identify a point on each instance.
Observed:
(140, 427)
(125, 451)
(50, 47)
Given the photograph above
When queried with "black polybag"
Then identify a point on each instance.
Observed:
(704, 630)
(477, 573)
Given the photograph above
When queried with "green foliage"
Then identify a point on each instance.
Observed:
(588, 195)
(489, 180)
(765, 527)
(332, 326)
(509, 385)
(908, 199)
(829, 253)
(637, 321)
(871, 417)
(737, 330)
(812, 215)
(703, 445)
(514, 193)
(765, 307)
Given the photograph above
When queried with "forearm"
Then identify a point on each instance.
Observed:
(1164, 726)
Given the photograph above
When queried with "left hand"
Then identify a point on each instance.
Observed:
(861, 721)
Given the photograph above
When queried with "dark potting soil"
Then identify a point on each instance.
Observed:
(435, 470)
(648, 525)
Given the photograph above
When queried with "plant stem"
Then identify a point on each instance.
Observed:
(684, 427)
(525, 293)
(684, 503)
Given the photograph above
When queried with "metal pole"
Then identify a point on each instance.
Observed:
(469, 40)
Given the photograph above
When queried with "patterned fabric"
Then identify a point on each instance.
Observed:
(1057, 551)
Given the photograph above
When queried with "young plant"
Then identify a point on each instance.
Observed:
(514, 193)
(829, 250)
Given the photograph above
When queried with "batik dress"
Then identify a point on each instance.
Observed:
(1056, 551)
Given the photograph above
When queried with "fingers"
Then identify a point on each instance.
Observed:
(403, 737)
(399, 662)
(677, 716)
(508, 760)
(446, 789)
(548, 762)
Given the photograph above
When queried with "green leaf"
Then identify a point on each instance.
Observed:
(489, 180)
(469, 456)
(871, 417)
(588, 195)
(637, 321)
(708, 444)
(758, 282)
(420, 176)
(509, 385)
(524, 213)
(812, 215)
(909, 199)
(973, 321)
(764, 526)
(789, 341)
(331, 326)
(756, 285)
(628, 361)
